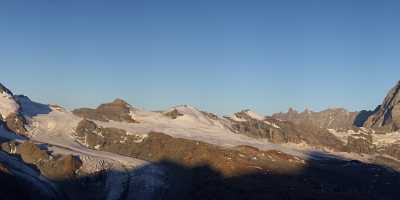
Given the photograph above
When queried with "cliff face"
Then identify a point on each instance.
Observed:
(387, 116)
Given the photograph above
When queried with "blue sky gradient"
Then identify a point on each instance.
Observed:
(218, 55)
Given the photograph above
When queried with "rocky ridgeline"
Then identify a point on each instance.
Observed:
(328, 119)
(283, 131)
(387, 115)
(118, 110)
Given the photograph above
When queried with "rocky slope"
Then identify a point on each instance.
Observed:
(387, 116)
(280, 131)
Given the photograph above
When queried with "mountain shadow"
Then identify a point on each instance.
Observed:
(329, 179)
(30, 108)
(363, 116)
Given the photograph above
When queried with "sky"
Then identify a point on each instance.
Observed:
(218, 55)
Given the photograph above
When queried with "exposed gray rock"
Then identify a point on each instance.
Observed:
(173, 114)
(387, 117)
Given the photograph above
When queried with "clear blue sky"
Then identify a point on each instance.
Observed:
(218, 55)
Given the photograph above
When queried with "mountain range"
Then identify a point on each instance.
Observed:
(118, 151)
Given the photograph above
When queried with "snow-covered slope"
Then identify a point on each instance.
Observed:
(57, 128)
(8, 105)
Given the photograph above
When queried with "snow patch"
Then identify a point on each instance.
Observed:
(272, 124)
(236, 118)
(254, 115)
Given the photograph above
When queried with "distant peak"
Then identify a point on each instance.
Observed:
(251, 114)
(3, 89)
(292, 110)
(120, 102)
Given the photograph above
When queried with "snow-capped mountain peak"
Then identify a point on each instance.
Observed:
(8, 104)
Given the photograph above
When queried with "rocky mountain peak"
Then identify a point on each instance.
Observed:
(8, 104)
(5, 90)
(119, 101)
(387, 116)
(118, 110)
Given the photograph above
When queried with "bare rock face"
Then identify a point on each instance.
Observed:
(16, 123)
(60, 168)
(259, 129)
(282, 131)
(328, 119)
(387, 116)
(174, 114)
(118, 110)
(30, 153)
(256, 126)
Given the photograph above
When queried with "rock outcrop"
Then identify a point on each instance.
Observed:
(30, 153)
(282, 131)
(16, 123)
(54, 167)
(174, 114)
(118, 110)
(387, 116)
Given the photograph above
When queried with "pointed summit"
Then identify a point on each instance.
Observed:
(118, 110)
(8, 104)
(387, 116)
(119, 101)
(5, 90)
